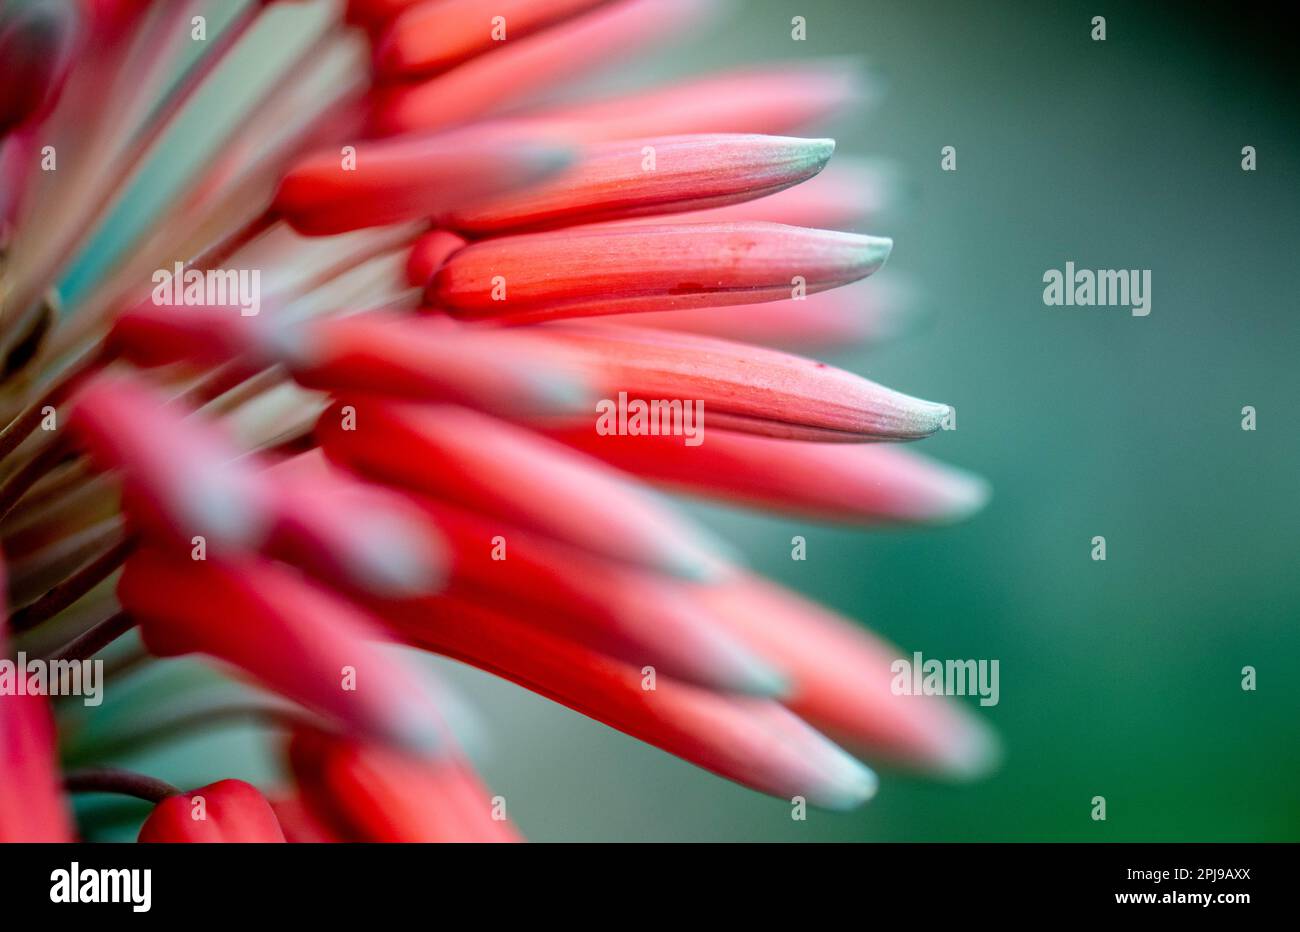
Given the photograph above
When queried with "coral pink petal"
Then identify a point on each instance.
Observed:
(493, 82)
(437, 360)
(655, 175)
(366, 793)
(850, 483)
(600, 269)
(841, 682)
(777, 99)
(852, 315)
(339, 528)
(181, 476)
(841, 196)
(512, 474)
(639, 617)
(741, 387)
(286, 633)
(411, 178)
(434, 35)
(752, 741)
(150, 334)
(32, 806)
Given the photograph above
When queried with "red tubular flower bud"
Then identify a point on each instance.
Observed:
(393, 181)
(780, 98)
(493, 82)
(851, 483)
(558, 493)
(286, 633)
(230, 811)
(756, 742)
(650, 176)
(842, 682)
(643, 618)
(429, 37)
(740, 387)
(32, 806)
(585, 271)
(364, 793)
(182, 478)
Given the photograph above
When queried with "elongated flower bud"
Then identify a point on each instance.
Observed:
(643, 618)
(843, 680)
(852, 483)
(341, 529)
(775, 99)
(429, 37)
(439, 361)
(755, 742)
(657, 175)
(286, 633)
(741, 387)
(229, 811)
(365, 793)
(410, 179)
(862, 313)
(558, 493)
(182, 477)
(493, 82)
(613, 270)
(838, 198)
(32, 807)
(151, 334)
(405, 357)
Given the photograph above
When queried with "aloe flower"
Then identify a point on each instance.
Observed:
(393, 448)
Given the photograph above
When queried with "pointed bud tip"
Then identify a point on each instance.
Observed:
(962, 496)
(820, 150)
(975, 751)
(921, 418)
(848, 783)
(874, 250)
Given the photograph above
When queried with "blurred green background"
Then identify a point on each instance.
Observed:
(1121, 678)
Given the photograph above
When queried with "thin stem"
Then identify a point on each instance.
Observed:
(131, 658)
(183, 91)
(288, 445)
(116, 780)
(92, 641)
(31, 473)
(72, 588)
(22, 426)
(186, 722)
(231, 243)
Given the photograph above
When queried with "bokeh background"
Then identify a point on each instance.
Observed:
(1120, 679)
